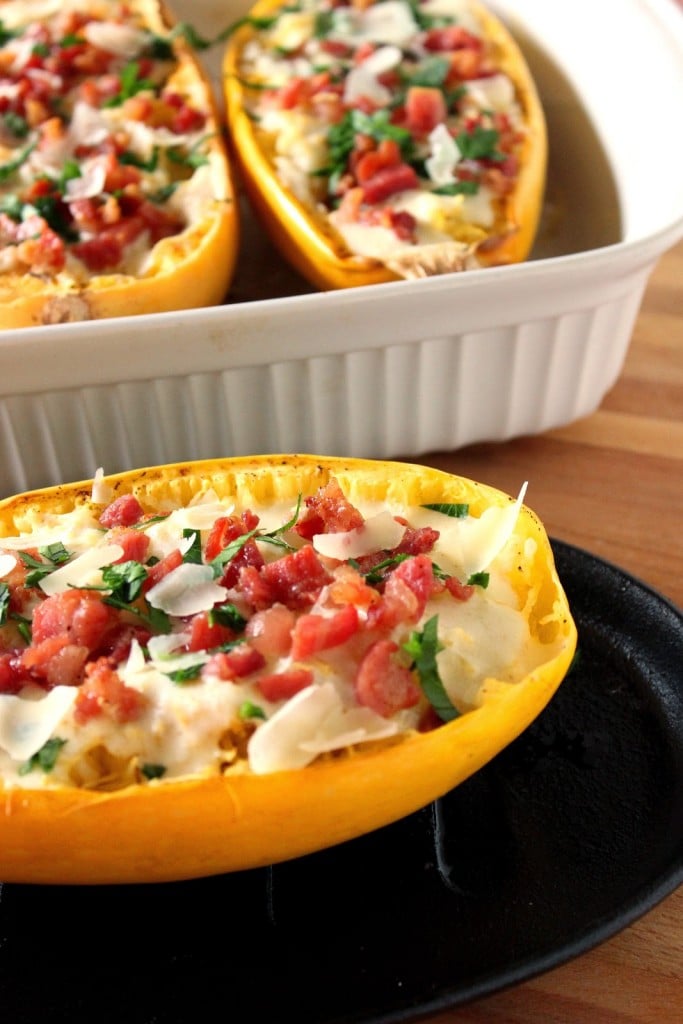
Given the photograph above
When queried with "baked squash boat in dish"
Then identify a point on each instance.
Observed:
(213, 666)
(116, 196)
(385, 140)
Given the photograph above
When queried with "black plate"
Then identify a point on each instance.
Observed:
(566, 837)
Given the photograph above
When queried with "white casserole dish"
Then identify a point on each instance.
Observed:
(397, 369)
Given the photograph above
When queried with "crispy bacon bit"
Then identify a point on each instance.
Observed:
(297, 579)
(204, 634)
(79, 615)
(123, 511)
(383, 683)
(314, 633)
(103, 692)
(283, 685)
(328, 511)
(270, 630)
(235, 664)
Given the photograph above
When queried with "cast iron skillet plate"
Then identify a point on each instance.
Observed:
(566, 837)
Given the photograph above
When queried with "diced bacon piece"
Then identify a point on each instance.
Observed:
(55, 661)
(314, 633)
(328, 511)
(81, 615)
(387, 154)
(388, 181)
(204, 635)
(450, 37)
(104, 692)
(235, 664)
(418, 575)
(283, 685)
(425, 108)
(296, 579)
(398, 604)
(224, 532)
(383, 683)
(460, 591)
(13, 675)
(416, 540)
(270, 630)
(135, 544)
(118, 641)
(123, 511)
(167, 564)
(255, 589)
(349, 587)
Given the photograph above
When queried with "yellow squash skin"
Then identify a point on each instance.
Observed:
(189, 270)
(303, 235)
(161, 831)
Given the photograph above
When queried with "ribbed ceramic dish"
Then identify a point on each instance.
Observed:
(400, 369)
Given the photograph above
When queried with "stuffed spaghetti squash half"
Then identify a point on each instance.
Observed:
(386, 139)
(116, 195)
(214, 666)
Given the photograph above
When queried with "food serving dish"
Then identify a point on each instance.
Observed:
(402, 368)
(569, 835)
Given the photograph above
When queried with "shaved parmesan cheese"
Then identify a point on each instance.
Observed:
(91, 181)
(88, 126)
(494, 93)
(123, 40)
(485, 537)
(26, 725)
(344, 727)
(186, 590)
(444, 156)
(388, 22)
(378, 533)
(276, 745)
(102, 493)
(7, 563)
(82, 571)
(362, 80)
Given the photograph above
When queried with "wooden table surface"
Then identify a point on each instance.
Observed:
(611, 483)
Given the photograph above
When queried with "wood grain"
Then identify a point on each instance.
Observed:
(611, 483)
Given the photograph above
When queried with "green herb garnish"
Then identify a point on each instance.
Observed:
(423, 648)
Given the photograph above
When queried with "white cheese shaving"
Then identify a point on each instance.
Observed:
(83, 571)
(444, 156)
(276, 745)
(378, 533)
(123, 40)
(482, 539)
(186, 590)
(344, 727)
(102, 492)
(494, 93)
(362, 80)
(88, 126)
(388, 22)
(26, 725)
(7, 563)
(91, 181)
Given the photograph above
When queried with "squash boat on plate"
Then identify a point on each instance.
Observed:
(219, 665)
(115, 189)
(385, 140)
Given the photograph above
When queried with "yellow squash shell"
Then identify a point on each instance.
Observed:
(160, 831)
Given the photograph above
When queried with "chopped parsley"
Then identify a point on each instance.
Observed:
(45, 758)
(153, 771)
(250, 710)
(457, 510)
(423, 648)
